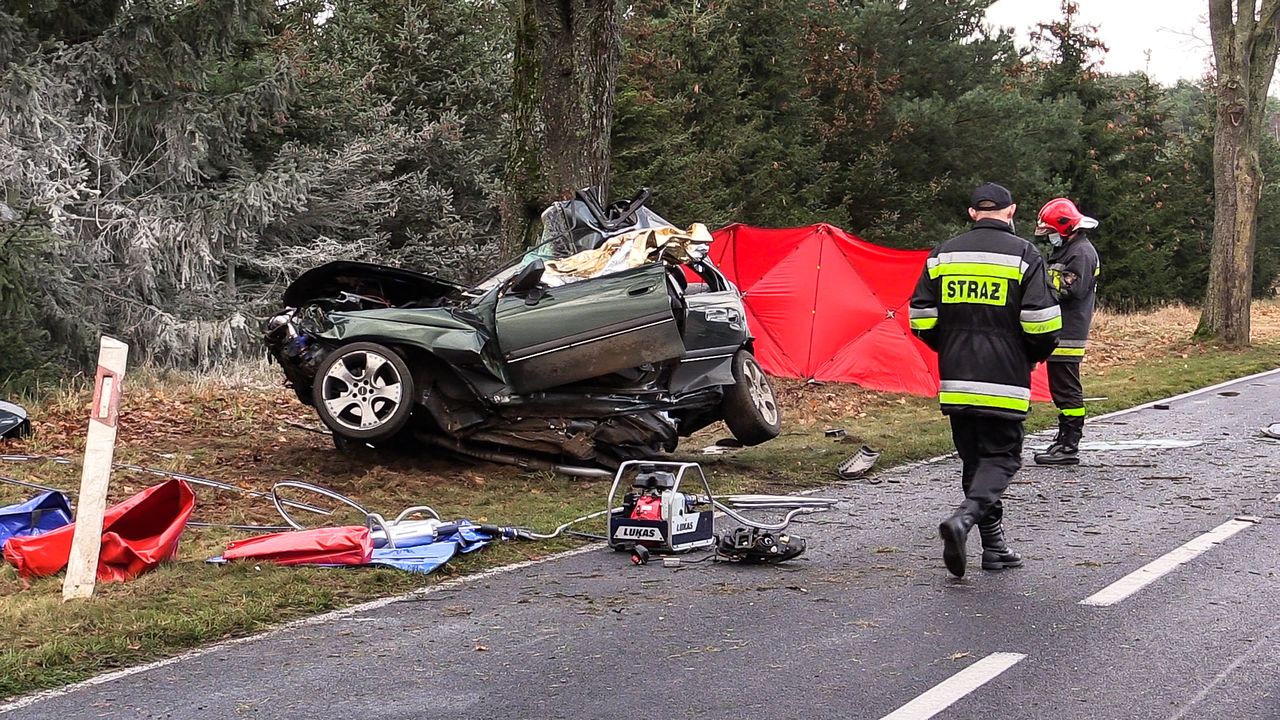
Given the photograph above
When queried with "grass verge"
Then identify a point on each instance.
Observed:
(240, 433)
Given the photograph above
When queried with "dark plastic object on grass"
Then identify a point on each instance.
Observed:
(14, 422)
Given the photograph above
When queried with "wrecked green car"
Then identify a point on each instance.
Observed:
(610, 341)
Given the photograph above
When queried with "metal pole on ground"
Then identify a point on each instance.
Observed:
(99, 448)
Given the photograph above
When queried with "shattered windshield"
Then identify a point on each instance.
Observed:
(568, 228)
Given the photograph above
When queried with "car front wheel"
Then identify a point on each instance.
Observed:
(750, 409)
(363, 391)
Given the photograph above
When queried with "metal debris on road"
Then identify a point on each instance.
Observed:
(857, 465)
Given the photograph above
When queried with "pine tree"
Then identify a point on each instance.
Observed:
(182, 161)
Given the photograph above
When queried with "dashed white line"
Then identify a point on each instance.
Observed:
(1163, 565)
(946, 693)
(1226, 672)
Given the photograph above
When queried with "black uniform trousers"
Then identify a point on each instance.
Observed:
(991, 450)
(1066, 388)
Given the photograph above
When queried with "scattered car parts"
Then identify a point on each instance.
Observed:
(857, 464)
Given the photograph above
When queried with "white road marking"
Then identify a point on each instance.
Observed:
(1163, 565)
(1226, 672)
(302, 622)
(946, 693)
(1191, 393)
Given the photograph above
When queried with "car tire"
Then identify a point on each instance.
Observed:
(750, 407)
(352, 392)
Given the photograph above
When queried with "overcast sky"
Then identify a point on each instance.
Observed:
(1176, 32)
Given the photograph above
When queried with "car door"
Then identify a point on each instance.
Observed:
(715, 328)
(559, 335)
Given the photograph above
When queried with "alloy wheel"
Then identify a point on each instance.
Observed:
(362, 390)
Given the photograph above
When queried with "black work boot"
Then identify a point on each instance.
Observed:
(996, 555)
(1065, 449)
(954, 531)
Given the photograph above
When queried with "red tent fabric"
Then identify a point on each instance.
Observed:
(137, 535)
(825, 305)
(348, 545)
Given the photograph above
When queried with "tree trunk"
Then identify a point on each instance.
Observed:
(566, 65)
(1244, 50)
(1237, 182)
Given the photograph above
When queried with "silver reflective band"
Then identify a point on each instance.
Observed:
(1072, 343)
(1035, 316)
(985, 388)
(930, 312)
(985, 258)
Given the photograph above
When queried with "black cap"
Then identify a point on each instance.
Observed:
(990, 196)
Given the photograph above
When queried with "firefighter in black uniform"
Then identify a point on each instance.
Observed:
(983, 303)
(1073, 275)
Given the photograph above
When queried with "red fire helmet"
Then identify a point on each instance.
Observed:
(1061, 216)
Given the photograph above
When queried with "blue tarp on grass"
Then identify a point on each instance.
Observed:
(42, 513)
(427, 557)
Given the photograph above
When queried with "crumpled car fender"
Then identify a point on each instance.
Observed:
(444, 334)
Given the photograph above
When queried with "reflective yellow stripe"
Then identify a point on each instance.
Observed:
(1039, 328)
(924, 323)
(1068, 352)
(1072, 412)
(975, 270)
(976, 400)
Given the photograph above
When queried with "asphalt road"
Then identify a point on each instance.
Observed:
(861, 626)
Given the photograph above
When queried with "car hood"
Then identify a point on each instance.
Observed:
(396, 286)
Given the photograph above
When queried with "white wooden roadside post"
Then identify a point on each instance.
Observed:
(99, 448)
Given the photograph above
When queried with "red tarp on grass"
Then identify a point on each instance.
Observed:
(137, 535)
(825, 305)
(349, 545)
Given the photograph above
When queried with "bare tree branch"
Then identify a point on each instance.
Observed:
(1222, 31)
(1270, 12)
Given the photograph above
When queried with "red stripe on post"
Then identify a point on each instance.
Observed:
(106, 398)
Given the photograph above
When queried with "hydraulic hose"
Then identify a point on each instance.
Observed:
(193, 479)
(522, 533)
(795, 505)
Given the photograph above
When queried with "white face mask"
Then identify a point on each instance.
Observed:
(1055, 239)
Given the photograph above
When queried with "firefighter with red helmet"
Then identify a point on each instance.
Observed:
(1073, 275)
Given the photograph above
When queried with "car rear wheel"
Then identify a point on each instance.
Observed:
(364, 391)
(750, 408)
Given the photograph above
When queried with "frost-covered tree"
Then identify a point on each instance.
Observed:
(168, 164)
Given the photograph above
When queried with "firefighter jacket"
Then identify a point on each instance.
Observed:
(1073, 275)
(983, 303)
